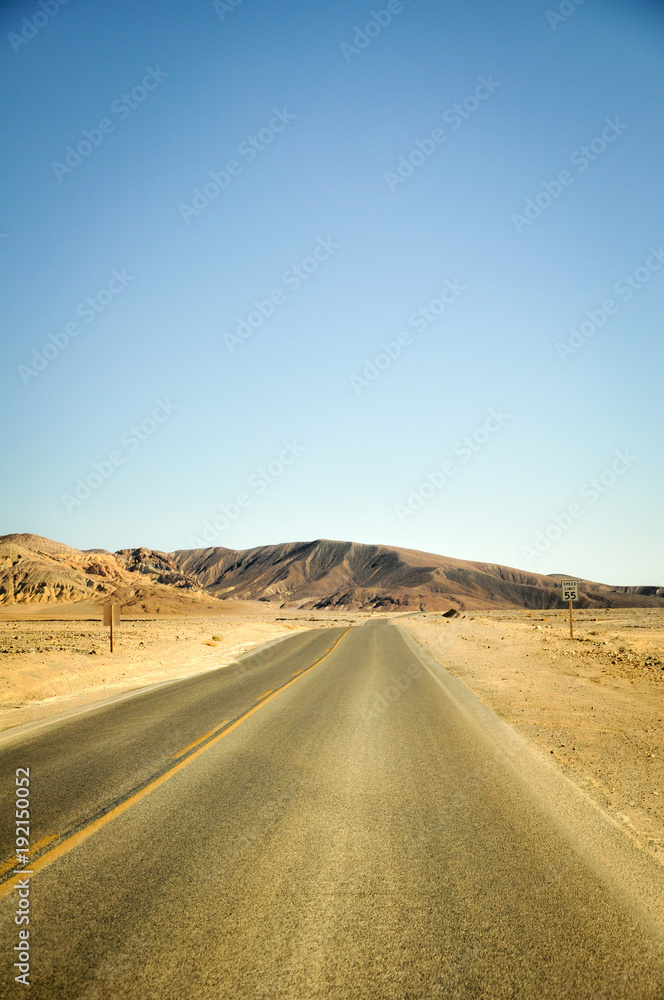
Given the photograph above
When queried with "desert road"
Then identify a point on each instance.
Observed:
(334, 816)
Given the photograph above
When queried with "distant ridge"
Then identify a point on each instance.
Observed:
(326, 573)
(313, 575)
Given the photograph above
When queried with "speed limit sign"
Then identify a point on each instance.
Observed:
(570, 590)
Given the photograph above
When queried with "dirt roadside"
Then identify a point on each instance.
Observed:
(595, 703)
(48, 667)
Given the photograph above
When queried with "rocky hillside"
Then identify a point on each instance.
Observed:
(313, 575)
(324, 573)
(36, 570)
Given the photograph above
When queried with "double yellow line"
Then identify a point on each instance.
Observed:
(69, 843)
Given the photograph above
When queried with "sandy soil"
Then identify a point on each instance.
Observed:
(51, 666)
(595, 703)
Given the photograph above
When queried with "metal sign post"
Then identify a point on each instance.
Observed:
(111, 618)
(570, 590)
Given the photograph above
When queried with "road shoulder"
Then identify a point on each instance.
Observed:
(608, 846)
(594, 705)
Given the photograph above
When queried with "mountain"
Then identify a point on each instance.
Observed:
(36, 570)
(328, 574)
(312, 575)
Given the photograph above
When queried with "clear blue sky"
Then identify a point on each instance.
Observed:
(179, 90)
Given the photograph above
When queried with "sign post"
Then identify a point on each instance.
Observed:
(570, 593)
(111, 618)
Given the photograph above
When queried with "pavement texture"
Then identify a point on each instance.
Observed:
(334, 816)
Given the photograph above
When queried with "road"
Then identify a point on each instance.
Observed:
(333, 817)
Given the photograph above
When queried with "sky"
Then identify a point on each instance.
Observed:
(389, 274)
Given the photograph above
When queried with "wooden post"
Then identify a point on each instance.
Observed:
(111, 632)
(111, 618)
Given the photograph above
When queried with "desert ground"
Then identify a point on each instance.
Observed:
(594, 703)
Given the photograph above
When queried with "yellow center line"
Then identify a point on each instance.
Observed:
(12, 863)
(200, 739)
(82, 835)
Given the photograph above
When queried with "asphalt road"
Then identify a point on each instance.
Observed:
(333, 818)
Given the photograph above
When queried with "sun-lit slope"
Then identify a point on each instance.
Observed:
(36, 570)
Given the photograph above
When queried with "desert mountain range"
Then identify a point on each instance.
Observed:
(321, 574)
